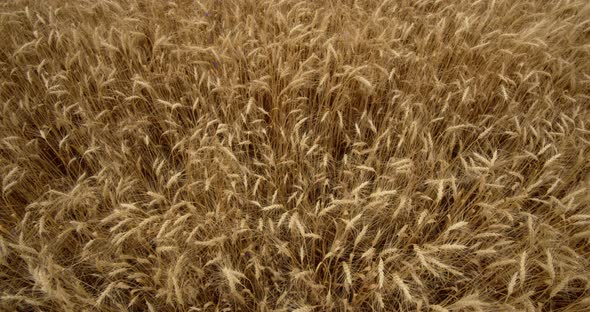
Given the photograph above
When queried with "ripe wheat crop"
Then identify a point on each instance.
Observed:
(246, 155)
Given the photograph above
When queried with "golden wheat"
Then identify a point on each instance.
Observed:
(294, 155)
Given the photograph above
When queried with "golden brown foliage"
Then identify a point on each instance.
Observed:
(246, 155)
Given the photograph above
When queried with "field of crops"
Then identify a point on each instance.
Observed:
(264, 155)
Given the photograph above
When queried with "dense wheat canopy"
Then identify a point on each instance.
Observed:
(246, 155)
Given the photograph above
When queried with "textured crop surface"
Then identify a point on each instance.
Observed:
(262, 155)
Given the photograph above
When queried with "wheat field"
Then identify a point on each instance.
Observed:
(264, 155)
